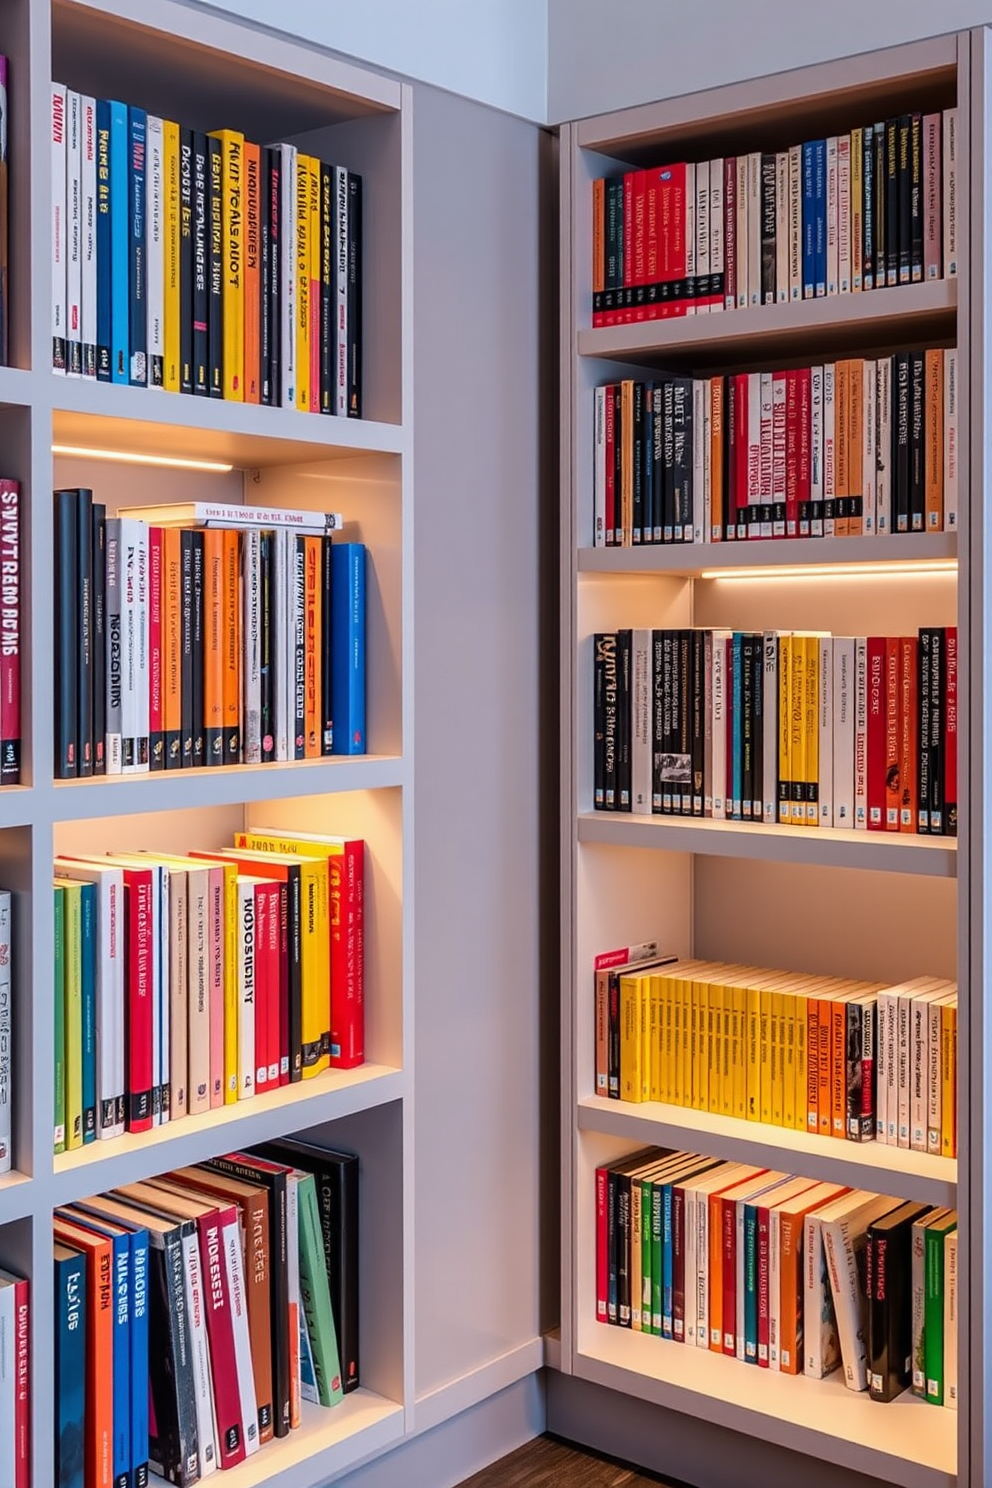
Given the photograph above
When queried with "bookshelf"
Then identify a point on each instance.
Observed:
(844, 903)
(209, 70)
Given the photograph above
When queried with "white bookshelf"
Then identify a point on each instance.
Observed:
(208, 70)
(844, 902)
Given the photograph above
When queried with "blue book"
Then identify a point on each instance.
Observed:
(137, 121)
(808, 225)
(820, 216)
(70, 1367)
(750, 1283)
(736, 802)
(667, 1260)
(88, 949)
(348, 647)
(119, 292)
(104, 187)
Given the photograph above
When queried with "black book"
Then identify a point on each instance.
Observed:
(658, 653)
(647, 462)
(682, 457)
(889, 1284)
(266, 670)
(613, 1036)
(868, 207)
(669, 649)
(354, 296)
(758, 727)
(917, 443)
(201, 266)
(186, 648)
(99, 639)
(299, 645)
(66, 636)
(624, 701)
(215, 268)
(598, 725)
(768, 253)
(950, 731)
(747, 724)
(657, 462)
(617, 395)
(337, 1180)
(916, 198)
(900, 442)
(891, 202)
(668, 461)
(173, 1446)
(697, 702)
(606, 645)
(685, 723)
(637, 452)
(881, 186)
(904, 197)
(199, 750)
(936, 743)
(327, 287)
(84, 631)
(264, 276)
(923, 757)
(185, 260)
(272, 391)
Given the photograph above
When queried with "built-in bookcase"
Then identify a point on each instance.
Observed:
(210, 72)
(846, 903)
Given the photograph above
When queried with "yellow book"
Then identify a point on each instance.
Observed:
(667, 1080)
(714, 1046)
(787, 1035)
(857, 208)
(752, 1052)
(678, 1038)
(797, 730)
(690, 1069)
(656, 1025)
(315, 964)
(948, 1077)
(784, 728)
(170, 321)
(73, 941)
(811, 726)
(777, 1062)
(727, 1071)
(304, 169)
(764, 1053)
(738, 1050)
(800, 1013)
(630, 1039)
(232, 145)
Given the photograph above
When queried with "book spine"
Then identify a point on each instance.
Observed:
(155, 252)
(10, 633)
(104, 178)
(950, 481)
(949, 161)
(66, 620)
(88, 299)
(173, 328)
(70, 1365)
(156, 709)
(137, 271)
(199, 258)
(253, 276)
(120, 243)
(216, 267)
(916, 205)
(6, 1034)
(232, 146)
(59, 239)
(138, 910)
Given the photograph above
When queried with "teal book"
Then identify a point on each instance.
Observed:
(315, 1295)
(70, 1367)
(59, 1112)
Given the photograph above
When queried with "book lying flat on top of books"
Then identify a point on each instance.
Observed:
(226, 514)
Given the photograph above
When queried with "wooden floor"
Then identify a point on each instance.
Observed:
(546, 1463)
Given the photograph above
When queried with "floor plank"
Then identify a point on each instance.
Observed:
(547, 1463)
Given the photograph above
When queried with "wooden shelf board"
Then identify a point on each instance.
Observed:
(163, 790)
(906, 1442)
(907, 313)
(904, 1174)
(885, 852)
(689, 560)
(327, 1441)
(135, 1156)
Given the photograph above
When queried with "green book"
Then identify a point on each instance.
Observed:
(73, 1015)
(59, 1113)
(933, 1313)
(646, 1264)
(315, 1294)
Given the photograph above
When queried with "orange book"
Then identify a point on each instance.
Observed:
(842, 447)
(933, 427)
(598, 235)
(98, 1447)
(313, 736)
(213, 644)
(717, 386)
(172, 646)
(908, 733)
(893, 731)
(231, 608)
(855, 447)
(252, 164)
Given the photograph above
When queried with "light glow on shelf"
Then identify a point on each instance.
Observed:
(129, 457)
(894, 569)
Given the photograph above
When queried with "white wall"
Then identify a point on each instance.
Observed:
(611, 55)
(493, 51)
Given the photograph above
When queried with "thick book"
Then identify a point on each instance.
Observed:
(70, 1366)
(889, 1290)
(845, 1226)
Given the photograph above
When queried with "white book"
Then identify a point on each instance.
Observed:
(720, 704)
(196, 960)
(934, 1071)
(88, 296)
(769, 725)
(949, 156)
(113, 625)
(697, 1211)
(951, 1320)
(110, 1010)
(6, 1034)
(599, 469)
(59, 228)
(844, 213)
(74, 234)
(825, 743)
(778, 485)
(8, 1382)
(951, 439)
(287, 334)
(228, 514)
(861, 733)
(782, 227)
(702, 216)
(766, 453)
(815, 452)
(231, 1240)
(133, 557)
(754, 229)
(796, 222)
(844, 667)
(703, 533)
(200, 1350)
(251, 630)
(919, 1037)
(155, 251)
(902, 1070)
(690, 236)
(829, 450)
(717, 245)
(844, 1227)
(280, 643)
(341, 291)
(832, 218)
(700, 431)
(869, 463)
(642, 715)
(885, 1019)
(246, 986)
(821, 1348)
(883, 446)
(741, 214)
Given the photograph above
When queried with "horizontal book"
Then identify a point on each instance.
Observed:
(221, 514)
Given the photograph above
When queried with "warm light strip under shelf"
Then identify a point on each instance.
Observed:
(895, 569)
(128, 457)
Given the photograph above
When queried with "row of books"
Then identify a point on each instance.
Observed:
(15, 1372)
(203, 263)
(780, 1272)
(187, 983)
(200, 635)
(196, 1311)
(861, 447)
(863, 210)
(787, 727)
(855, 1060)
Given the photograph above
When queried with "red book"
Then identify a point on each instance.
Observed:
(730, 232)
(22, 1368)
(156, 714)
(625, 311)
(220, 1330)
(263, 986)
(908, 733)
(672, 213)
(609, 513)
(792, 454)
(780, 449)
(652, 307)
(876, 733)
(272, 954)
(764, 1264)
(804, 448)
(729, 1225)
(10, 632)
(893, 732)
(283, 972)
(678, 1263)
(951, 730)
(729, 462)
(602, 1242)
(138, 996)
(639, 278)
(742, 497)
(347, 903)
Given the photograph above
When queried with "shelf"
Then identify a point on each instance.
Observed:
(902, 316)
(690, 560)
(135, 1156)
(142, 420)
(328, 1441)
(906, 1442)
(904, 1174)
(122, 795)
(884, 852)
(16, 1197)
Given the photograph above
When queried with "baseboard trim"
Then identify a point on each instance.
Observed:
(439, 1405)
